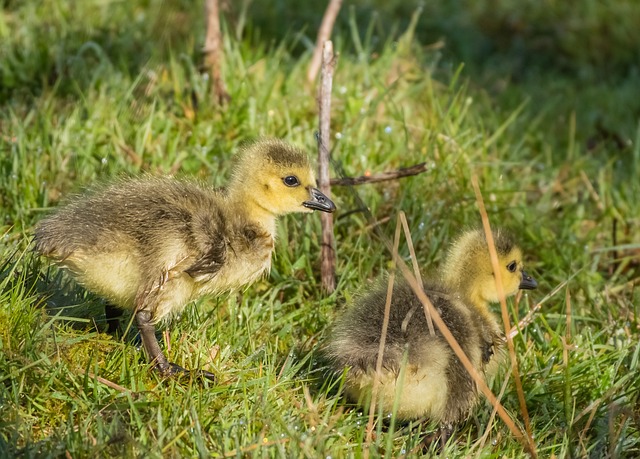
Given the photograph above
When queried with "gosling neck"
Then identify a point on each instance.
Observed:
(242, 201)
(478, 301)
(471, 293)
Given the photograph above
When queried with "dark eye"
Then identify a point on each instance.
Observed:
(512, 267)
(291, 180)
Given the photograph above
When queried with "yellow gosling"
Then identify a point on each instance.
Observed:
(152, 245)
(420, 372)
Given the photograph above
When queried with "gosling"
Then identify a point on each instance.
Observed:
(421, 371)
(152, 245)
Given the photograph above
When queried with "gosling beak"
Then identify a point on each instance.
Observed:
(319, 201)
(527, 282)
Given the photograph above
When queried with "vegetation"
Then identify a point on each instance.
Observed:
(539, 99)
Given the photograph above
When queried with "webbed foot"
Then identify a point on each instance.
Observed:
(438, 439)
(173, 369)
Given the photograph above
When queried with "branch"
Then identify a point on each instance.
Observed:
(324, 34)
(328, 257)
(213, 50)
(382, 177)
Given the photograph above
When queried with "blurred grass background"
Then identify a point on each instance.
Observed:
(540, 99)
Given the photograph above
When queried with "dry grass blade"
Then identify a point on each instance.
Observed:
(526, 320)
(383, 339)
(416, 268)
(566, 347)
(483, 440)
(263, 444)
(505, 314)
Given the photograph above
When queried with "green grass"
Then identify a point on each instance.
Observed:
(94, 90)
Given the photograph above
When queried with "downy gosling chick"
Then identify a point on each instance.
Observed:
(419, 370)
(154, 244)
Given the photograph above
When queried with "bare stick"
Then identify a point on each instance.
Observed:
(328, 257)
(107, 383)
(214, 52)
(382, 177)
(324, 34)
(505, 314)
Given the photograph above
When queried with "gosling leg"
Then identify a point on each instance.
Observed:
(112, 314)
(150, 343)
(438, 439)
(152, 347)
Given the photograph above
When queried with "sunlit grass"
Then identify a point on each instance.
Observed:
(103, 102)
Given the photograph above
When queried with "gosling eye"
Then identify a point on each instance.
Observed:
(291, 180)
(512, 266)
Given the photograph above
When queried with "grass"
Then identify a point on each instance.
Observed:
(553, 137)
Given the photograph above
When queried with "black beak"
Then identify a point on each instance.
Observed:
(527, 282)
(319, 201)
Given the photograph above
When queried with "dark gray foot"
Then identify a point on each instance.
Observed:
(113, 315)
(173, 369)
(150, 343)
(438, 439)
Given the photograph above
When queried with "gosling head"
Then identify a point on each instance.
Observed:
(278, 178)
(468, 267)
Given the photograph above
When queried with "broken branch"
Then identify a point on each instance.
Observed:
(382, 177)
(213, 51)
(328, 257)
(324, 34)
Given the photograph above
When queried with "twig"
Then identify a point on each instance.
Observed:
(328, 257)
(107, 383)
(213, 51)
(383, 176)
(505, 314)
(324, 33)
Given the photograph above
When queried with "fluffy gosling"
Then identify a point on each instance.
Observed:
(420, 371)
(154, 244)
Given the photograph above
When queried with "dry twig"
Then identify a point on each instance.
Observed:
(328, 257)
(107, 383)
(214, 52)
(324, 34)
(382, 177)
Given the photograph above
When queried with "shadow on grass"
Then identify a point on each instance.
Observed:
(53, 291)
